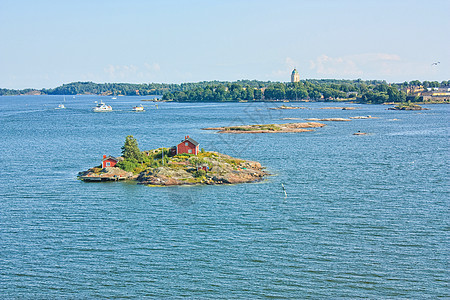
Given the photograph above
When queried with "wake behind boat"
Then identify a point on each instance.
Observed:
(101, 107)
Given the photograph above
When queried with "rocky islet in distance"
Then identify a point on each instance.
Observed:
(408, 106)
(268, 128)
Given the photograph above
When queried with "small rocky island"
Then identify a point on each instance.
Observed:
(268, 128)
(287, 107)
(407, 106)
(183, 164)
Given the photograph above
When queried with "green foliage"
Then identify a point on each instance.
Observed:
(130, 149)
(155, 164)
(134, 160)
(270, 127)
(184, 155)
(145, 159)
(97, 169)
(369, 91)
(197, 161)
(329, 89)
(199, 173)
(126, 89)
(128, 165)
(239, 128)
(374, 97)
(206, 154)
(234, 162)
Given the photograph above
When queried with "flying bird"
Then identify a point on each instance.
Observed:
(435, 63)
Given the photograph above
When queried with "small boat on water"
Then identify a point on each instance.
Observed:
(138, 108)
(61, 106)
(101, 107)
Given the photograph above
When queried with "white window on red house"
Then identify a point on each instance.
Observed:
(108, 164)
(186, 144)
(190, 151)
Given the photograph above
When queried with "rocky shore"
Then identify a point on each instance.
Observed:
(204, 168)
(105, 174)
(222, 169)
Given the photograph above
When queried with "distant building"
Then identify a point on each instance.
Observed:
(295, 76)
(188, 145)
(434, 94)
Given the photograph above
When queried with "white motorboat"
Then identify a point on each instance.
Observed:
(61, 106)
(138, 108)
(101, 107)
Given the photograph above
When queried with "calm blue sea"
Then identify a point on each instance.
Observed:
(365, 216)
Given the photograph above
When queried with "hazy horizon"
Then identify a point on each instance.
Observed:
(50, 43)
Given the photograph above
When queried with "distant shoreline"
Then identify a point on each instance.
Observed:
(308, 90)
(237, 101)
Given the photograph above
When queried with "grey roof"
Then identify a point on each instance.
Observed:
(192, 141)
(112, 157)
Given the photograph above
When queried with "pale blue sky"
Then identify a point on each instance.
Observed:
(46, 43)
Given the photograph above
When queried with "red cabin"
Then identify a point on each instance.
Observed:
(203, 167)
(188, 145)
(109, 161)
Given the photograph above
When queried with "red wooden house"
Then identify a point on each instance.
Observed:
(188, 145)
(109, 161)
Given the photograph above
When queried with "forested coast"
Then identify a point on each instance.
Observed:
(360, 91)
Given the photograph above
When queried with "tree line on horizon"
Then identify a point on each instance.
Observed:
(363, 91)
(369, 91)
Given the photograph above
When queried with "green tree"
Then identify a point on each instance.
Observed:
(257, 94)
(249, 93)
(415, 83)
(235, 91)
(314, 95)
(220, 93)
(168, 96)
(130, 150)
